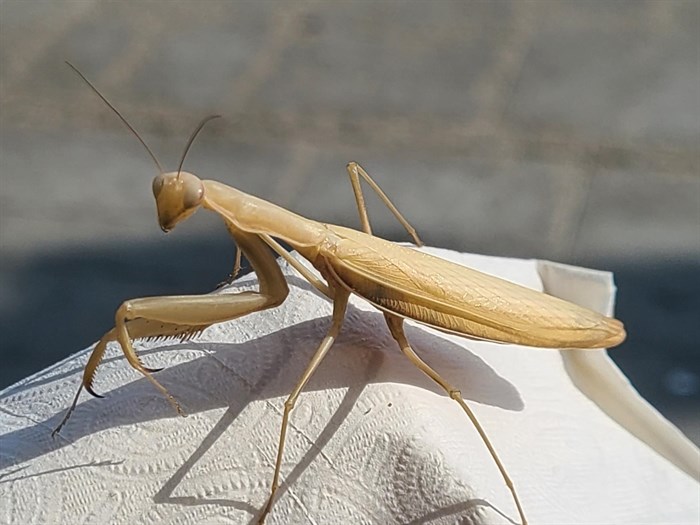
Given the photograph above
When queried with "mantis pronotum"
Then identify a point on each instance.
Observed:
(401, 282)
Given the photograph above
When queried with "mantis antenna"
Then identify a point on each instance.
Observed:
(121, 117)
(191, 140)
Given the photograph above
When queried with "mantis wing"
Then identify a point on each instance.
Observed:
(458, 299)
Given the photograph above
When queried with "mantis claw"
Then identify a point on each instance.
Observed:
(176, 406)
(92, 392)
(152, 370)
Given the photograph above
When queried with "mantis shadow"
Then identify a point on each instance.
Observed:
(364, 374)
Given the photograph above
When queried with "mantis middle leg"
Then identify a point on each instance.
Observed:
(236, 270)
(355, 171)
(340, 302)
(299, 267)
(396, 328)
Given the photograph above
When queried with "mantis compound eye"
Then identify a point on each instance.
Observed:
(158, 182)
(193, 192)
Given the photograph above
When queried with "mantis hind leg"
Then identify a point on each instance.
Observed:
(355, 171)
(396, 328)
(340, 302)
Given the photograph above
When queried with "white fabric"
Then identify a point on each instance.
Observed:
(371, 440)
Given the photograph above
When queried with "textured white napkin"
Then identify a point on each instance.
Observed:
(371, 440)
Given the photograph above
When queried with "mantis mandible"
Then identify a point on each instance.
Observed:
(401, 282)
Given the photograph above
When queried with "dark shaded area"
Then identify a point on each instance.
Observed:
(61, 302)
(659, 303)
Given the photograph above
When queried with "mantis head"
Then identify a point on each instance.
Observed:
(178, 195)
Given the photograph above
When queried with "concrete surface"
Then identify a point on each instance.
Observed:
(551, 129)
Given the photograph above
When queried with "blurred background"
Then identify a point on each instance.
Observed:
(563, 130)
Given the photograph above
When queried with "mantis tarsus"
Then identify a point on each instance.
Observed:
(401, 282)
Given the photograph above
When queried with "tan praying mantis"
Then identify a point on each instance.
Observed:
(401, 282)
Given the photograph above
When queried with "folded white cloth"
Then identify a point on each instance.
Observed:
(371, 440)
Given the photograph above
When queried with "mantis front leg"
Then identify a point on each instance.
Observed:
(197, 311)
(186, 314)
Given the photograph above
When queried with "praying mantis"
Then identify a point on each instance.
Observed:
(403, 283)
